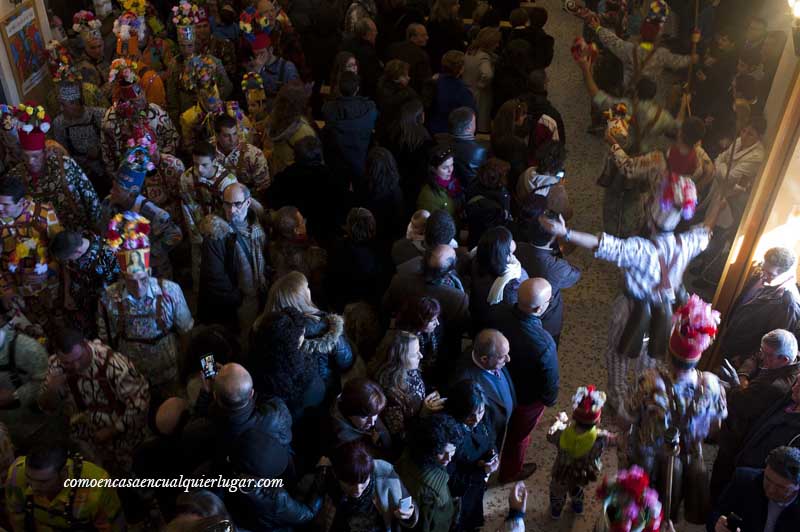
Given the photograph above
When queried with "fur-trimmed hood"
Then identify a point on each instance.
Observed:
(216, 228)
(322, 336)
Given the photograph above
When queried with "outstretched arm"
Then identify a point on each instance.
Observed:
(559, 229)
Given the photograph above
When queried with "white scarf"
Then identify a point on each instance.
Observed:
(513, 271)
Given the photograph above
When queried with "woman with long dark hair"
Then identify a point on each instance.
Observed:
(383, 196)
(409, 141)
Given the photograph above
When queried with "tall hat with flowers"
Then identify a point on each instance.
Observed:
(32, 126)
(185, 16)
(8, 118)
(135, 165)
(587, 405)
(69, 79)
(256, 28)
(122, 75)
(693, 330)
(629, 503)
(87, 26)
(201, 75)
(657, 14)
(57, 55)
(131, 28)
(674, 199)
(127, 235)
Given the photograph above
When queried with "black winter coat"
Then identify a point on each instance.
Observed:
(326, 342)
(270, 509)
(357, 272)
(349, 121)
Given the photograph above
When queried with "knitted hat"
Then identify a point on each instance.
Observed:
(256, 28)
(675, 199)
(680, 163)
(127, 235)
(32, 125)
(185, 15)
(87, 26)
(257, 453)
(587, 405)
(693, 330)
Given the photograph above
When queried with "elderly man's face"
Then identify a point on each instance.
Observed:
(770, 359)
(236, 204)
(778, 488)
(45, 483)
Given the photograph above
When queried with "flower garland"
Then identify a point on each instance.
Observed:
(252, 22)
(123, 70)
(629, 502)
(85, 20)
(186, 14)
(25, 249)
(128, 231)
(30, 118)
(200, 72)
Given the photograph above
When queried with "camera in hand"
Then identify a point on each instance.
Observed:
(735, 522)
(209, 365)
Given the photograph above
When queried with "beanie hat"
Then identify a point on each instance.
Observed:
(257, 453)
(85, 24)
(587, 405)
(693, 330)
(127, 236)
(681, 164)
(32, 125)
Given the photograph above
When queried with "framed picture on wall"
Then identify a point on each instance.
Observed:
(24, 42)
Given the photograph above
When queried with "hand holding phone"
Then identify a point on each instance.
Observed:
(405, 508)
(209, 366)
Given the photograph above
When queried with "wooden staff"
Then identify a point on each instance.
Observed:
(672, 446)
(695, 39)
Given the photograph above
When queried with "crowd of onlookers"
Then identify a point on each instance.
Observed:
(325, 242)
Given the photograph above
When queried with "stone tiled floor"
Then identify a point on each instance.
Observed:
(581, 353)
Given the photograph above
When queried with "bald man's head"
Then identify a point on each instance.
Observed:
(169, 414)
(233, 386)
(490, 350)
(534, 296)
(439, 261)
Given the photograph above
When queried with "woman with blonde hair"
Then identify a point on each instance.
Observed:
(324, 335)
(479, 72)
(396, 369)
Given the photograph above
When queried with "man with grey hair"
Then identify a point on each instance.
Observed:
(412, 51)
(485, 364)
(764, 499)
(468, 154)
(769, 300)
(751, 395)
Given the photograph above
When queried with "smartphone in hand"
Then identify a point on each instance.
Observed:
(209, 366)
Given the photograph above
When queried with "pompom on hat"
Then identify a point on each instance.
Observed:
(693, 330)
(127, 235)
(32, 126)
(587, 405)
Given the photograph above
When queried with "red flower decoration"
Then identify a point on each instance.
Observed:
(113, 235)
(143, 228)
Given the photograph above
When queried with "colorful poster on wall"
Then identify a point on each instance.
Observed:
(25, 45)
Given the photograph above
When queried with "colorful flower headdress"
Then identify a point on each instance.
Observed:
(252, 81)
(143, 137)
(129, 25)
(679, 192)
(137, 7)
(26, 248)
(57, 55)
(32, 117)
(658, 12)
(186, 14)
(630, 503)
(123, 70)
(85, 22)
(8, 119)
(68, 73)
(252, 22)
(590, 397)
(694, 328)
(128, 231)
(200, 73)
(138, 156)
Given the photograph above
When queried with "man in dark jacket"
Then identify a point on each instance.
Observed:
(233, 409)
(749, 399)
(539, 105)
(539, 260)
(468, 153)
(485, 364)
(412, 51)
(763, 499)
(534, 371)
(233, 271)
(349, 121)
(362, 45)
(769, 301)
(255, 454)
(528, 25)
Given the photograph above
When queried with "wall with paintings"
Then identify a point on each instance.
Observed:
(16, 68)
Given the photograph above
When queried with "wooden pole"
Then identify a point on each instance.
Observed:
(690, 80)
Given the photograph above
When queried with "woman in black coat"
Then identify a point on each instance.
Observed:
(511, 73)
(383, 196)
(476, 457)
(445, 31)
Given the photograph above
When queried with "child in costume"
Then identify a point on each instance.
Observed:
(580, 449)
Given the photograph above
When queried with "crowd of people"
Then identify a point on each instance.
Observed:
(323, 244)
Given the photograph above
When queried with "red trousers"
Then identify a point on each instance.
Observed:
(523, 420)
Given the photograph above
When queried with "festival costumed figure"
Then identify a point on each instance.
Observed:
(256, 98)
(131, 31)
(92, 60)
(580, 449)
(680, 402)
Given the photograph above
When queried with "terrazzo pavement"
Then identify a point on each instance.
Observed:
(583, 341)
